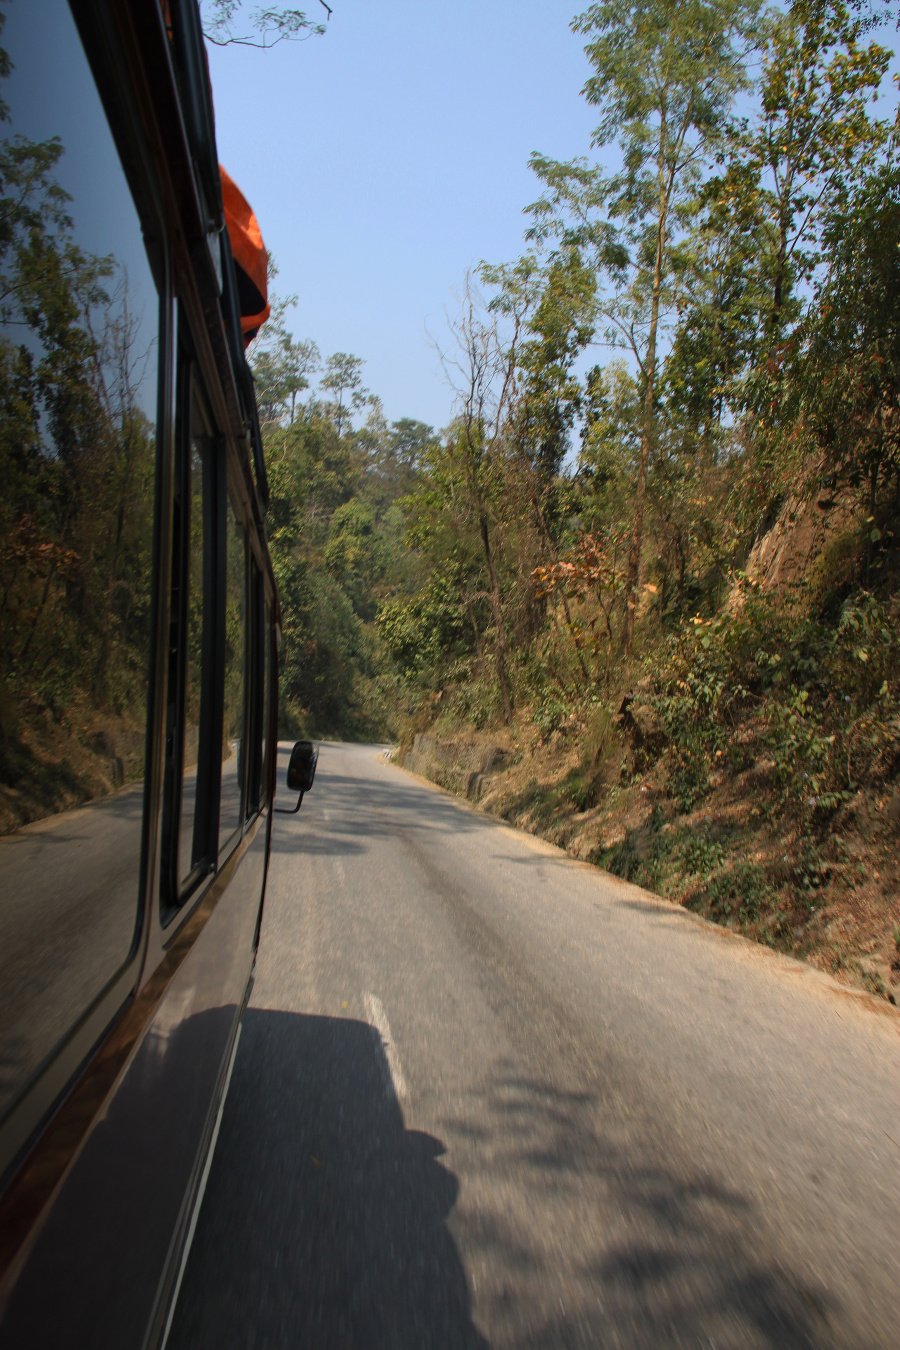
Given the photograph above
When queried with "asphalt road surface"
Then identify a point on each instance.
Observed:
(488, 1096)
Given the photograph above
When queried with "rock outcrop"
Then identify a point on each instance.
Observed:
(459, 766)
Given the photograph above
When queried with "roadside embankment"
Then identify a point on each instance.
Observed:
(461, 766)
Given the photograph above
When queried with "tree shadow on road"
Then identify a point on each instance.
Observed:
(324, 1223)
(356, 816)
(621, 1244)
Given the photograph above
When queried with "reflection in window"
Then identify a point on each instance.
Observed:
(78, 381)
(191, 843)
(267, 698)
(233, 733)
(256, 730)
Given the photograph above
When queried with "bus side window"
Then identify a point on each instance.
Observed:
(189, 806)
(79, 359)
(257, 689)
(266, 747)
(269, 745)
(235, 671)
(261, 694)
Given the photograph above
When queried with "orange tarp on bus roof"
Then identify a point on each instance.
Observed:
(251, 259)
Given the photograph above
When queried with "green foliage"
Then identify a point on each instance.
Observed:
(343, 380)
(664, 78)
(559, 328)
(812, 136)
(395, 457)
(742, 893)
(846, 379)
(424, 633)
(549, 712)
(282, 367)
(475, 701)
(818, 699)
(352, 555)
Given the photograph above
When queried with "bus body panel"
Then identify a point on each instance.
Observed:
(105, 1133)
(113, 1231)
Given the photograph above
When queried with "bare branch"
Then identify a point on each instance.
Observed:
(271, 26)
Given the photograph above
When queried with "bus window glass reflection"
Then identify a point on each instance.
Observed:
(191, 845)
(79, 325)
(267, 699)
(235, 662)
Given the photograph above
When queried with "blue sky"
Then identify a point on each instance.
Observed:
(389, 156)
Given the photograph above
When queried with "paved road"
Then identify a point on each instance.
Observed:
(487, 1096)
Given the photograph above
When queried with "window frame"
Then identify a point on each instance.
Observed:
(259, 701)
(192, 405)
(221, 489)
(231, 499)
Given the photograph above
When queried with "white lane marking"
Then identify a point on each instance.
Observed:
(378, 1017)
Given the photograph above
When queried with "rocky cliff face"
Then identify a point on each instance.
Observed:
(806, 531)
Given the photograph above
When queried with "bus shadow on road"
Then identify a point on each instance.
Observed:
(324, 1222)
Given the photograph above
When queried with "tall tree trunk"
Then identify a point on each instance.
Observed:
(778, 287)
(497, 611)
(667, 162)
(781, 258)
(475, 629)
(682, 568)
(648, 433)
(873, 502)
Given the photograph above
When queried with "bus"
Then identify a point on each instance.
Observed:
(139, 626)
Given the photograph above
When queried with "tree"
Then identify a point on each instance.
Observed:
(343, 378)
(556, 312)
(665, 75)
(267, 27)
(846, 381)
(352, 554)
(408, 444)
(281, 366)
(395, 458)
(482, 374)
(721, 327)
(552, 311)
(812, 137)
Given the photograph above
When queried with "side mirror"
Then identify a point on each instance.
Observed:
(302, 766)
(300, 774)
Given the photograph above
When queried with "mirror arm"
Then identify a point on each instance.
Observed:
(289, 810)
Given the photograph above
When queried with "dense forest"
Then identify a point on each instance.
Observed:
(654, 556)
